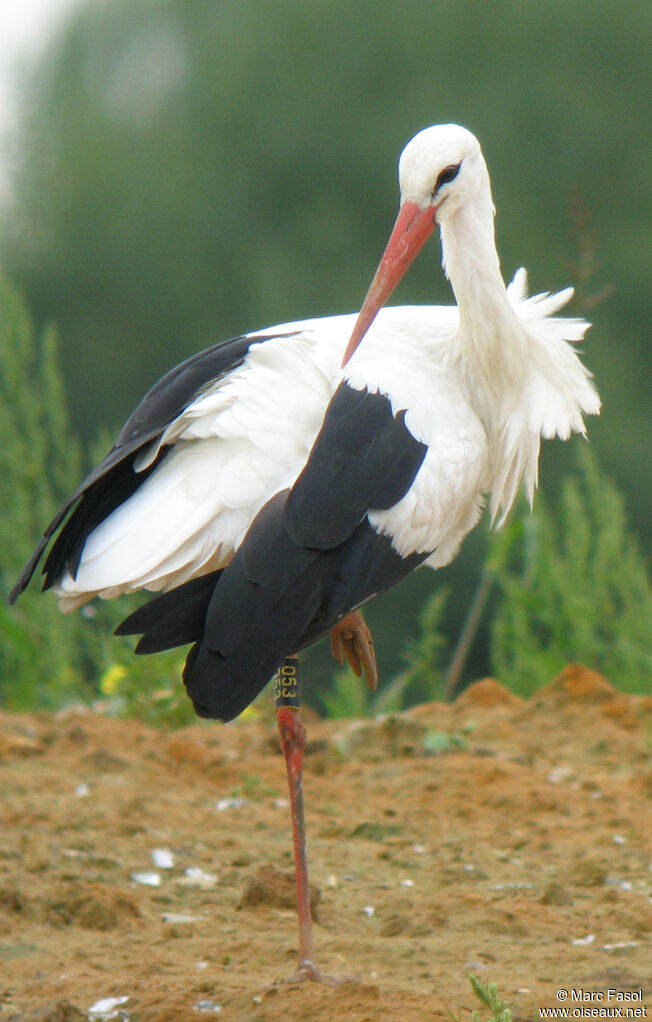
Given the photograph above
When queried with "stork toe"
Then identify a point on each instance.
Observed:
(352, 640)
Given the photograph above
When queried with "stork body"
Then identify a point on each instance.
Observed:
(272, 484)
(331, 483)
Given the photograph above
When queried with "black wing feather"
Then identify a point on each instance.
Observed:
(114, 480)
(97, 503)
(180, 385)
(172, 619)
(363, 457)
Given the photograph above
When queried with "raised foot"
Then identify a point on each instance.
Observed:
(308, 970)
(351, 639)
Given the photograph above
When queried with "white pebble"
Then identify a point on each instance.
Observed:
(104, 1009)
(150, 879)
(163, 858)
(196, 877)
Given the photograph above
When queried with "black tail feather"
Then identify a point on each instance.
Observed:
(275, 597)
(172, 619)
(269, 593)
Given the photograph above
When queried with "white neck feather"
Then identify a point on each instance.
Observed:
(490, 345)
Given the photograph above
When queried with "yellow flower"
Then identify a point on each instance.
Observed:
(250, 712)
(110, 680)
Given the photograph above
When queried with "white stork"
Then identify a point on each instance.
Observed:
(274, 483)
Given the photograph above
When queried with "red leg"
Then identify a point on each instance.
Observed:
(293, 743)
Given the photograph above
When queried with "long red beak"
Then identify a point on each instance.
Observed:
(412, 229)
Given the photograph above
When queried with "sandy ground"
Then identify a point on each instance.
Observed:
(506, 838)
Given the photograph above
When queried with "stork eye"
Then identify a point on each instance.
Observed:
(447, 175)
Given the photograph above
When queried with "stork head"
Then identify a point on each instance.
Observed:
(440, 170)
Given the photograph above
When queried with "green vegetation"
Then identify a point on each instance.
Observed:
(487, 994)
(349, 697)
(567, 583)
(48, 659)
(42, 655)
(573, 587)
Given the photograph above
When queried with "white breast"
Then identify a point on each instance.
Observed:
(445, 499)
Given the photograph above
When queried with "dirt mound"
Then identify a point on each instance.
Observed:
(144, 875)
